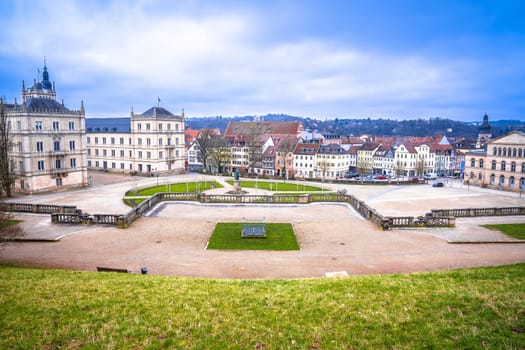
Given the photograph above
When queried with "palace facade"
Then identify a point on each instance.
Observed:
(48, 140)
(145, 144)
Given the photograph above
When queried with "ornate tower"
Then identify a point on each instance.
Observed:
(484, 133)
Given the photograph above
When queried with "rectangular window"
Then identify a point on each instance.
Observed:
(56, 125)
(71, 125)
(89, 151)
(96, 152)
(41, 165)
(160, 155)
(18, 125)
(139, 141)
(38, 125)
(169, 141)
(148, 141)
(96, 140)
(121, 165)
(89, 139)
(160, 142)
(121, 154)
(140, 154)
(121, 140)
(104, 140)
(149, 155)
(139, 126)
(73, 163)
(113, 165)
(147, 126)
(160, 126)
(177, 140)
(58, 164)
(40, 146)
(56, 146)
(104, 152)
(72, 145)
(112, 140)
(89, 163)
(113, 153)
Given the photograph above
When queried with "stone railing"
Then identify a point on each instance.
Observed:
(436, 218)
(37, 208)
(473, 212)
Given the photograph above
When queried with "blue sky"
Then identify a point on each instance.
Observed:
(320, 59)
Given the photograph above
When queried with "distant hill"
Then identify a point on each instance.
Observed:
(378, 127)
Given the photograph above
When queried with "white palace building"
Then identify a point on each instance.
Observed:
(144, 144)
(48, 150)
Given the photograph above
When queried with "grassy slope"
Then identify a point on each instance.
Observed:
(278, 237)
(477, 308)
(512, 230)
(276, 186)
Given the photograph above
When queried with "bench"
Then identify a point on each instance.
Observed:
(112, 269)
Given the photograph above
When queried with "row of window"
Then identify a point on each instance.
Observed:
(160, 126)
(55, 125)
(139, 141)
(508, 152)
(494, 165)
(41, 164)
(113, 153)
(56, 146)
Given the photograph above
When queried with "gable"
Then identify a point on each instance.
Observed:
(516, 138)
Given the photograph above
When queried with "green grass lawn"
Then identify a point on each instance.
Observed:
(176, 187)
(512, 230)
(278, 237)
(11, 222)
(482, 308)
(276, 186)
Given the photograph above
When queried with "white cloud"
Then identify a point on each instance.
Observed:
(215, 64)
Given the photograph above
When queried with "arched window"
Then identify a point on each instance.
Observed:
(523, 167)
(492, 179)
(514, 152)
(481, 163)
(493, 165)
(509, 152)
(480, 176)
(503, 164)
(504, 152)
(499, 151)
(495, 151)
(522, 183)
(502, 180)
(519, 152)
(472, 162)
(511, 182)
(513, 166)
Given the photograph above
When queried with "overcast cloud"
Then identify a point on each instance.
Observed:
(263, 58)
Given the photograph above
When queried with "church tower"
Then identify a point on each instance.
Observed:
(484, 133)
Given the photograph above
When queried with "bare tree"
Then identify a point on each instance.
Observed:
(205, 141)
(6, 172)
(399, 169)
(253, 142)
(219, 153)
(420, 167)
(9, 230)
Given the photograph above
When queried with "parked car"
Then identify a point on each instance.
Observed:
(438, 184)
(381, 177)
(414, 180)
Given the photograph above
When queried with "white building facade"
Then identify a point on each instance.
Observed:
(48, 140)
(154, 144)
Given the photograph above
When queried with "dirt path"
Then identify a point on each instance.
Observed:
(332, 238)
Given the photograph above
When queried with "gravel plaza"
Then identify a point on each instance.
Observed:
(334, 239)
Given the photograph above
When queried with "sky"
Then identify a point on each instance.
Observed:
(394, 59)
